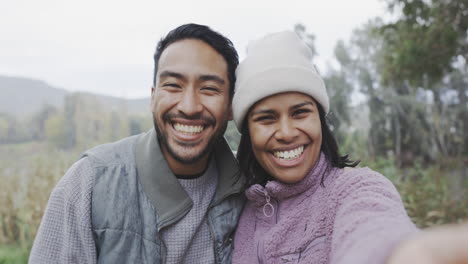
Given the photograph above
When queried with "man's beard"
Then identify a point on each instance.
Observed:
(163, 142)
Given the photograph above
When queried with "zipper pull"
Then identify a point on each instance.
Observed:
(268, 207)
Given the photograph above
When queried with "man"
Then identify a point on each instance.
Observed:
(171, 195)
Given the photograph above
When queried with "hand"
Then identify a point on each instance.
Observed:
(440, 245)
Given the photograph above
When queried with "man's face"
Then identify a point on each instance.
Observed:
(190, 101)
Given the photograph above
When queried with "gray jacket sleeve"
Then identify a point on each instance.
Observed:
(65, 234)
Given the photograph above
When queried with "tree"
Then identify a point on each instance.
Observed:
(423, 47)
(55, 130)
(38, 120)
(340, 89)
(4, 127)
(423, 43)
(70, 106)
(362, 64)
(309, 38)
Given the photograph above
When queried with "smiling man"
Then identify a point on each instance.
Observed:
(171, 195)
(191, 103)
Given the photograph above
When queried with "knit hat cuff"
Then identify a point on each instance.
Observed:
(277, 80)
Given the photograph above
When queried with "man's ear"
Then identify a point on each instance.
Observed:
(230, 115)
(153, 96)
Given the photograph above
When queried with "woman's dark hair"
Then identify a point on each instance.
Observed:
(217, 41)
(254, 172)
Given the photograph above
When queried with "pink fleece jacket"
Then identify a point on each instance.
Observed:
(357, 218)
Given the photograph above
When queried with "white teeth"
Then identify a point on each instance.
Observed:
(291, 154)
(188, 129)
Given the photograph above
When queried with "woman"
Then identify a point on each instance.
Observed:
(306, 203)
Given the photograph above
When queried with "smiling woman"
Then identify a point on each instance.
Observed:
(286, 137)
(306, 202)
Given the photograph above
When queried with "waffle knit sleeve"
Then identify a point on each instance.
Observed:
(65, 234)
(370, 218)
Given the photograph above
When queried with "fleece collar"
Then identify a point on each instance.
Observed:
(281, 191)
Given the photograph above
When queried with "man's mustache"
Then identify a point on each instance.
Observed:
(207, 119)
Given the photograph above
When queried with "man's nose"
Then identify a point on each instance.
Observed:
(190, 104)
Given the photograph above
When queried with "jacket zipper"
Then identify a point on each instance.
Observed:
(222, 199)
(215, 251)
(274, 213)
(163, 248)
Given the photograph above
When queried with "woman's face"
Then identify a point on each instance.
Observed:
(286, 135)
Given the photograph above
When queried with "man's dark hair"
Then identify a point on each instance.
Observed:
(217, 41)
(254, 172)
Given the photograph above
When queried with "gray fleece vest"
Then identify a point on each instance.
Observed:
(135, 195)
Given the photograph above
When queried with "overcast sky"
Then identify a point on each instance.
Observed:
(106, 46)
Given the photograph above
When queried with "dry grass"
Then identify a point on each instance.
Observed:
(433, 195)
(28, 173)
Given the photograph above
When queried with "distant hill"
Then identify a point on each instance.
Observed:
(22, 96)
(134, 106)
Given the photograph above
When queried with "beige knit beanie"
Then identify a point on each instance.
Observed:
(277, 63)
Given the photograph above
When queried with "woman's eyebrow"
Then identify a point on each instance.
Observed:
(301, 105)
(262, 111)
(270, 111)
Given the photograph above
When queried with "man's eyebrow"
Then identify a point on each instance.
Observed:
(210, 77)
(165, 74)
(301, 105)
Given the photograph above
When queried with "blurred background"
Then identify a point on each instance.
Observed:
(74, 74)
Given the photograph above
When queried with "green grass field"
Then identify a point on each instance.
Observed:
(13, 255)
